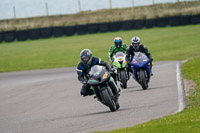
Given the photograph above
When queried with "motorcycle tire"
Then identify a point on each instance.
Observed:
(123, 78)
(143, 81)
(108, 100)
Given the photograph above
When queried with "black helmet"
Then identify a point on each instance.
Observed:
(118, 42)
(86, 56)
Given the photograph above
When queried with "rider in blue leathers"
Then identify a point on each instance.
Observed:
(88, 61)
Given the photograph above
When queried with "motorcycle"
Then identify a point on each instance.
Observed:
(141, 69)
(104, 87)
(120, 64)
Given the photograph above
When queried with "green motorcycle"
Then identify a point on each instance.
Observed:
(121, 65)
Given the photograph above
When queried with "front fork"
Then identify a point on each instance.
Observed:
(113, 85)
(115, 89)
(119, 74)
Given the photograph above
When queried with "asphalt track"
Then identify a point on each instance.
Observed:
(49, 101)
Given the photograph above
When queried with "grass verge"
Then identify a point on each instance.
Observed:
(169, 43)
(187, 121)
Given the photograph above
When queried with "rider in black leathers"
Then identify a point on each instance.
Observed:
(136, 46)
(88, 61)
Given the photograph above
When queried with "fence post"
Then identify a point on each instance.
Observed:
(110, 4)
(79, 5)
(14, 12)
(47, 10)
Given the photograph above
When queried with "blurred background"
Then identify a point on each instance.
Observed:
(34, 19)
(10, 9)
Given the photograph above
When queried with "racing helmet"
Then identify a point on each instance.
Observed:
(135, 42)
(118, 42)
(86, 56)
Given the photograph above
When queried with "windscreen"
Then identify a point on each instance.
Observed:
(96, 70)
(139, 56)
(119, 54)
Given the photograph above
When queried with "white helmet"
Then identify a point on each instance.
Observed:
(135, 42)
(135, 39)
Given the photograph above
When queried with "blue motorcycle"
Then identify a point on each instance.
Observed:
(141, 69)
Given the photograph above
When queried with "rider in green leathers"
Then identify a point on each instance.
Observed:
(118, 46)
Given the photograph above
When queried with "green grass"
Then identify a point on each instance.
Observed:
(191, 71)
(169, 43)
(187, 121)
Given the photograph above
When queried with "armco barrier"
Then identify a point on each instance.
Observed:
(184, 20)
(195, 19)
(22, 35)
(1, 37)
(93, 28)
(34, 34)
(161, 22)
(58, 31)
(45, 32)
(149, 23)
(127, 25)
(37, 33)
(138, 24)
(174, 21)
(69, 30)
(115, 26)
(81, 29)
(104, 27)
(9, 36)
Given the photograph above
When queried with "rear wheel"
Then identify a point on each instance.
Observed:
(108, 100)
(143, 81)
(123, 78)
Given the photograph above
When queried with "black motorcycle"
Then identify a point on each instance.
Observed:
(104, 87)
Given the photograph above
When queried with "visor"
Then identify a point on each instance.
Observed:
(118, 44)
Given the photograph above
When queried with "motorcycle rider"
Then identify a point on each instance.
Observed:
(118, 46)
(136, 46)
(88, 61)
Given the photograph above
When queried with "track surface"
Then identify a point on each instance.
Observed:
(49, 101)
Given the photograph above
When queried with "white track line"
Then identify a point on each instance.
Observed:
(181, 103)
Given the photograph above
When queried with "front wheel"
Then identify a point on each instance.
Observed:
(108, 100)
(143, 81)
(123, 78)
